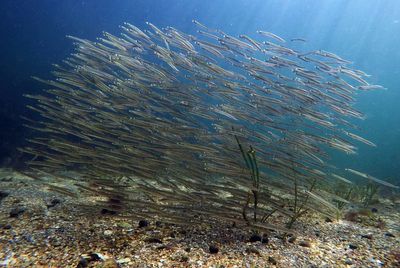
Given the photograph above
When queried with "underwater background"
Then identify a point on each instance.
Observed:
(33, 37)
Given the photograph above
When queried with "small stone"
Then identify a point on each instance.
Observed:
(187, 249)
(305, 244)
(265, 239)
(328, 219)
(389, 234)
(367, 236)
(292, 239)
(3, 195)
(213, 249)
(352, 246)
(108, 232)
(109, 263)
(96, 257)
(374, 210)
(125, 260)
(255, 238)
(252, 250)
(82, 263)
(106, 211)
(143, 223)
(54, 203)
(184, 258)
(348, 262)
(172, 234)
(124, 225)
(7, 226)
(15, 212)
(272, 260)
(152, 240)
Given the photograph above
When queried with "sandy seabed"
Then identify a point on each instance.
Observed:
(44, 229)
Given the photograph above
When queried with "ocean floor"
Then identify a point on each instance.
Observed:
(44, 229)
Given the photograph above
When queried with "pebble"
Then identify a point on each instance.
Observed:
(109, 263)
(352, 246)
(253, 250)
(348, 262)
(305, 244)
(3, 195)
(389, 234)
(272, 260)
(143, 223)
(125, 260)
(213, 249)
(106, 211)
(367, 236)
(255, 238)
(82, 263)
(15, 212)
(124, 225)
(108, 232)
(184, 258)
(96, 257)
(374, 210)
(154, 240)
(292, 239)
(54, 203)
(265, 239)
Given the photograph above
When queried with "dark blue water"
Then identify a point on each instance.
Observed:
(32, 37)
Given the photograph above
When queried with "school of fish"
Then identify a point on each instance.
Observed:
(149, 119)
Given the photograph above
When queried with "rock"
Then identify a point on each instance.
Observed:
(213, 249)
(374, 210)
(328, 219)
(82, 263)
(108, 232)
(272, 260)
(252, 250)
(187, 249)
(106, 211)
(172, 234)
(3, 195)
(54, 203)
(154, 240)
(292, 239)
(7, 226)
(265, 239)
(96, 257)
(348, 262)
(305, 244)
(109, 263)
(352, 246)
(143, 223)
(367, 236)
(15, 212)
(388, 234)
(352, 216)
(124, 260)
(124, 225)
(184, 258)
(168, 246)
(255, 238)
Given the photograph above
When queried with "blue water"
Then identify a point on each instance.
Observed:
(367, 32)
